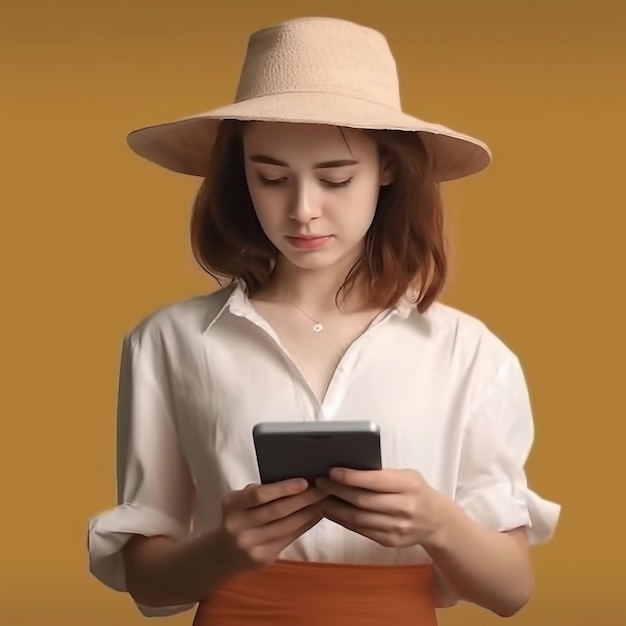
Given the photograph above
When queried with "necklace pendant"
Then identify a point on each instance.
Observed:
(318, 328)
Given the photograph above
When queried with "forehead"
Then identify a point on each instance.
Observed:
(318, 141)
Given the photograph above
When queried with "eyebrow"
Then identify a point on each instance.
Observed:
(262, 158)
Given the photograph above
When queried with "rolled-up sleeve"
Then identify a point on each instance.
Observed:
(492, 484)
(155, 489)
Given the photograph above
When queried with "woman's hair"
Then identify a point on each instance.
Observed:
(404, 246)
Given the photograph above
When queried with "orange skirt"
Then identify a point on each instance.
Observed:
(293, 593)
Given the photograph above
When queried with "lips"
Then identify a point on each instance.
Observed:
(309, 242)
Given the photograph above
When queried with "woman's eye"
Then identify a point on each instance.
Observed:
(273, 182)
(270, 181)
(332, 183)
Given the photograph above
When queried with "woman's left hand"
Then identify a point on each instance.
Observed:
(395, 508)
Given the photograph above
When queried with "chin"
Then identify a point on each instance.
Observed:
(311, 261)
(318, 259)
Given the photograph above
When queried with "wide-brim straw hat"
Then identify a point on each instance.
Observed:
(311, 70)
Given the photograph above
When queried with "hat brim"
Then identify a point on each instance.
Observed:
(184, 145)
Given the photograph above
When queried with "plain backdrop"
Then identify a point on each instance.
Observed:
(94, 238)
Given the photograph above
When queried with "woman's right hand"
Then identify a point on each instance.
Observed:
(260, 521)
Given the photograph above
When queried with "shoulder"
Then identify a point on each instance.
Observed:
(467, 341)
(178, 322)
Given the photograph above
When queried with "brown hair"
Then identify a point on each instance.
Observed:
(404, 247)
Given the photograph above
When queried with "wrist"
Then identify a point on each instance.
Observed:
(445, 515)
(215, 547)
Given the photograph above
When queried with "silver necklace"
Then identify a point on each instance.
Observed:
(318, 327)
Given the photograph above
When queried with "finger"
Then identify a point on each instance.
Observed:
(277, 546)
(264, 545)
(256, 495)
(316, 516)
(279, 509)
(287, 528)
(381, 481)
(379, 536)
(363, 498)
(343, 513)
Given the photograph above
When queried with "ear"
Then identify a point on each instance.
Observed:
(386, 174)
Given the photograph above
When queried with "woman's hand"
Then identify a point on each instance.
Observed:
(260, 521)
(395, 508)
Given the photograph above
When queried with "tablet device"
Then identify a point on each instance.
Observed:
(309, 450)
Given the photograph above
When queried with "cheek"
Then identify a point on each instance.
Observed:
(264, 206)
(360, 208)
(267, 218)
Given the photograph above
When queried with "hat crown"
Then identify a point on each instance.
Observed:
(320, 55)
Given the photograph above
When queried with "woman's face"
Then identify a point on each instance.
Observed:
(314, 189)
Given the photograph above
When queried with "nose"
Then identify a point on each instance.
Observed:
(304, 204)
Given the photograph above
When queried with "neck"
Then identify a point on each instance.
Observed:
(313, 290)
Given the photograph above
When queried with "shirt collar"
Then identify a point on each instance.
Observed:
(238, 303)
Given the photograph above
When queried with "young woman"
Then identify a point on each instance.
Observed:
(321, 206)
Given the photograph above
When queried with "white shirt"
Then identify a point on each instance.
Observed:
(196, 376)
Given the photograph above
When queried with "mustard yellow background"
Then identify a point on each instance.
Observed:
(93, 239)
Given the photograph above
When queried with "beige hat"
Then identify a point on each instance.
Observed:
(311, 70)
